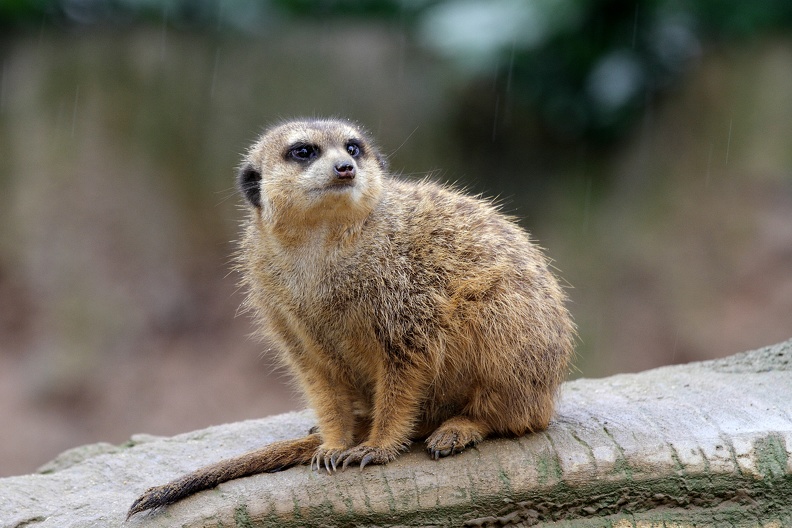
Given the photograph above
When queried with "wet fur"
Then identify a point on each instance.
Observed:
(406, 311)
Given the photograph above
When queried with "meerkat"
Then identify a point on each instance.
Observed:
(406, 311)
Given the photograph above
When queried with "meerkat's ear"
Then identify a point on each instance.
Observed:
(249, 184)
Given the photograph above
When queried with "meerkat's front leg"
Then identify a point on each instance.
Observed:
(332, 403)
(399, 392)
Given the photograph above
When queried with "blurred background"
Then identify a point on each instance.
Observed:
(646, 144)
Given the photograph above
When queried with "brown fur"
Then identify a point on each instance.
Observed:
(405, 310)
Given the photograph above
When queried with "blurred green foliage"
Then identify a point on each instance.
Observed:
(564, 70)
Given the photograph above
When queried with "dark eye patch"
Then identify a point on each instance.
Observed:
(303, 152)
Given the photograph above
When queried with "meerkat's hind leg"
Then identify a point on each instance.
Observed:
(454, 435)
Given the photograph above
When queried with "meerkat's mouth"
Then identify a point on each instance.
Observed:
(335, 186)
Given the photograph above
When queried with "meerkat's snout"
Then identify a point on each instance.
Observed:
(344, 170)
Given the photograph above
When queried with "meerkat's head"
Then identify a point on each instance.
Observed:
(312, 171)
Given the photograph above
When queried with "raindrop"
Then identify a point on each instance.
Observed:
(164, 33)
(709, 164)
(214, 72)
(42, 29)
(495, 120)
(511, 67)
(586, 207)
(219, 17)
(3, 87)
(635, 26)
(675, 347)
(402, 55)
(59, 115)
(728, 142)
(74, 109)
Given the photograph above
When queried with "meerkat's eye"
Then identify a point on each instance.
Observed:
(303, 152)
(353, 149)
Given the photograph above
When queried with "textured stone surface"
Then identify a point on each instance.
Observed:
(704, 444)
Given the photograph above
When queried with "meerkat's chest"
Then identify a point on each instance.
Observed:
(326, 296)
(334, 321)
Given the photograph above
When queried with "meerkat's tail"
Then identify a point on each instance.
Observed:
(274, 457)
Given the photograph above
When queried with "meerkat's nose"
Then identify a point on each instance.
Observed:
(344, 170)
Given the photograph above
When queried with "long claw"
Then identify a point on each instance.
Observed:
(366, 459)
(445, 445)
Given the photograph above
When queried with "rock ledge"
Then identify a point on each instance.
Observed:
(704, 444)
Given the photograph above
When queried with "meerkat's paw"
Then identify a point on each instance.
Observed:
(367, 454)
(327, 457)
(453, 437)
